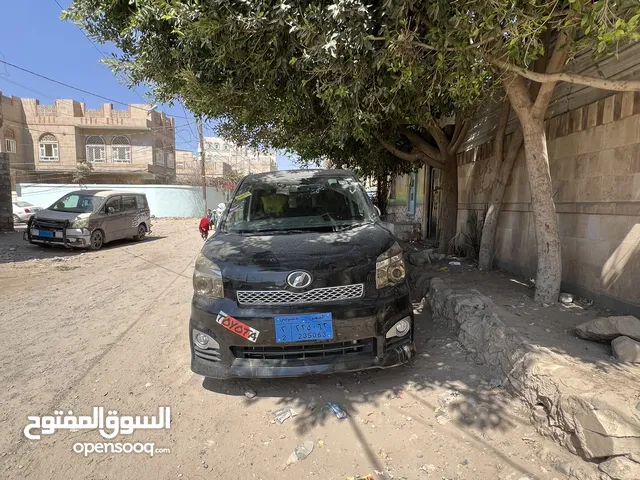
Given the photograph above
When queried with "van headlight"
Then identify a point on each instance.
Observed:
(390, 267)
(207, 278)
(80, 222)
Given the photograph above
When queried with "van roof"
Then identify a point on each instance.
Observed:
(103, 193)
(297, 175)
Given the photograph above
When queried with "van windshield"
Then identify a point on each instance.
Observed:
(77, 203)
(315, 203)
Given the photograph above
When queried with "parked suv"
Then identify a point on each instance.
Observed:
(91, 218)
(301, 277)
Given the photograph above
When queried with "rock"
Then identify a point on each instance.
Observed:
(626, 350)
(438, 256)
(566, 298)
(564, 468)
(621, 468)
(605, 329)
(250, 393)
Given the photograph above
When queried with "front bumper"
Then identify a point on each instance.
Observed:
(359, 339)
(68, 237)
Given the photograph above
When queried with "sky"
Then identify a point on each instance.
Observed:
(37, 40)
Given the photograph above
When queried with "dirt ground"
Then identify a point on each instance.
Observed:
(109, 328)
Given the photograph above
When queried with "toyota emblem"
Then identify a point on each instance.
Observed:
(299, 279)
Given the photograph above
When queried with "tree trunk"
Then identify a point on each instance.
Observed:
(490, 226)
(549, 272)
(382, 193)
(448, 204)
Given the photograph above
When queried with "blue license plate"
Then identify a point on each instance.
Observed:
(44, 233)
(304, 328)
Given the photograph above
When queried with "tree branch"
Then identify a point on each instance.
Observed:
(421, 144)
(514, 146)
(502, 129)
(410, 157)
(438, 49)
(519, 96)
(460, 138)
(555, 65)
(595, 82)
(440, 138)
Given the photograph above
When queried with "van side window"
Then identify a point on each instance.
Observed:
(115, 203)
(128, 203)
(140, 202)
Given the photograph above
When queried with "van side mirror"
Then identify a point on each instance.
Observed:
(110, 210)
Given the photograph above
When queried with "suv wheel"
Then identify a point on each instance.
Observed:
(142, 231)
(96, 241)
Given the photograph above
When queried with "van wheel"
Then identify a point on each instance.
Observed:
(142, 231)
(96, 241)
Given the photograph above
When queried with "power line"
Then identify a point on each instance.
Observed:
(78, 88)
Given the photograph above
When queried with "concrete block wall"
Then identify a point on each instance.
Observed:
(594, 159)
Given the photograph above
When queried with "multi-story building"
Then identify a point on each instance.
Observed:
(189, 169)
(240, 160)
(46, 143)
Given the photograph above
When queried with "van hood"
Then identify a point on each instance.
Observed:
(47, 214)
(263, 262)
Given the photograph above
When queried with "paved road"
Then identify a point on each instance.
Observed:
(109, 329)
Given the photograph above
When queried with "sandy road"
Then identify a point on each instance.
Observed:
(109, 329)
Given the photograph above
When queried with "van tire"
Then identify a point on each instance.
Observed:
(142, 231)
(96, 241)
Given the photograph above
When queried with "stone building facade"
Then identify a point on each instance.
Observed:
(45, 143)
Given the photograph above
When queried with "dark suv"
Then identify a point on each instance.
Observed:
(301, 277)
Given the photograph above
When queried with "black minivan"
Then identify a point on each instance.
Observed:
(301, 277)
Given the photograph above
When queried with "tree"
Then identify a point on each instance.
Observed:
(82, 172)
(268, 71)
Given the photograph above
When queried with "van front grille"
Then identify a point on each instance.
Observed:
(317, 295)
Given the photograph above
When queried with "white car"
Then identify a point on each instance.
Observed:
(23, 211)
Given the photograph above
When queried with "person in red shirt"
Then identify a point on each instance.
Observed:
(204, 227)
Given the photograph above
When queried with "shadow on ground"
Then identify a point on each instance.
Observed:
(13, 249)
(443, 379)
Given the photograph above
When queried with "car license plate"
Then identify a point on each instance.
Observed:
(45, 233)
(303, 328)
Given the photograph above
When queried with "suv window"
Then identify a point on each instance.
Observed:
(128, 203)
(115, 203)
(141, 201)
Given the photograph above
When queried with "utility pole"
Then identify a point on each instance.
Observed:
(202, 163)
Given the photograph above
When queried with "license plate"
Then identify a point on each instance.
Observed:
(46, 234)
(304, 328)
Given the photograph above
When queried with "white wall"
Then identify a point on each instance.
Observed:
(164, 200)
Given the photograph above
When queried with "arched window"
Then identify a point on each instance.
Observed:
(121, 150)
(159, 153)
(48, 148)
(171, 158)
(96, 150)
(10, 141)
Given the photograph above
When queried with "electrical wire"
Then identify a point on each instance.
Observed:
(45, 77)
